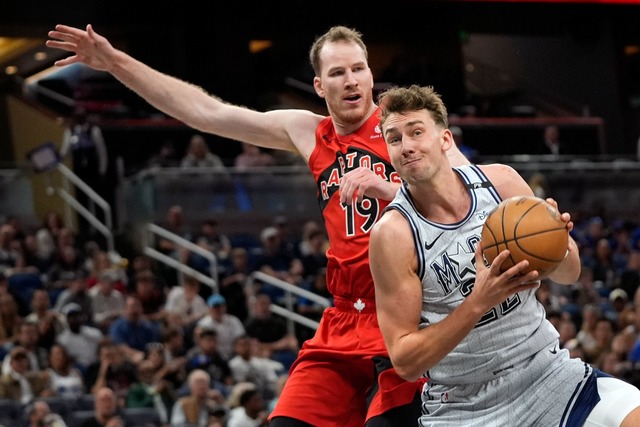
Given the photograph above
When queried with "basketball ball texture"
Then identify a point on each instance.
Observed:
(531, 229)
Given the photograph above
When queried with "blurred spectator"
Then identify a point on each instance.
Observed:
(112, 370)
(151, 296)
(47, 234)
(538, 184)
(168, 368)
(107, 303)
(151, 391)
(80, 340)
(22, 383)
(247, 366)
(274, 339)
(27, 339)
(39, 414)
(131, 332)
(205, 355)
(210, 238)
(252, 156)
(66, 380)
(199, 155)
(83, 139)
(232, 283)
(8, 253)
(50, 323)
(194, 409)
(551, 143)
(75, 291)
(166, 157)
(251, 412)
(227, 326)
(315, 258)
(184, 306)
(101, 261)
(309, 228)
(108, 412)
(10, 319)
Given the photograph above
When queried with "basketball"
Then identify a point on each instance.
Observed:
(531, 229)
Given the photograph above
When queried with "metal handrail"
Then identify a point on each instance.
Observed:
(148, 249)
(290, 290)
(71, 201)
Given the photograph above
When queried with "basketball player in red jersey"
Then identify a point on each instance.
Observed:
(342, 376)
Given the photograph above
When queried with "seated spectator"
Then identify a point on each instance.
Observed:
(75, 291)
(170, 369)
(50, 323)
(211, 239)
(66, 380)
(10, 320)
(194, 408)
(251, 412)
(184, 306)
(112, 370)
(108, 413)
(39, 414)
(199, 155)
(107, 303)
(272, 334)
(205, 356)
(101, 261)
(232, 284)
(227, 326)
(80, 340)
(22, 383)
(151, 296)
(166, 157)
(151, 391)
(247, 366)
(28, 339)
(131, 332)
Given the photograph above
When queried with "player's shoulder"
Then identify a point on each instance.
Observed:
(390, 226)
(505, 178)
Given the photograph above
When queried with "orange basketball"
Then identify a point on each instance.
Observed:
(531, 229)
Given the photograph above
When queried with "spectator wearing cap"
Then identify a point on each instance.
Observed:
(107, 303)
(80, 340)
(205, 355)
(132, 331)
(21, 383)
(228, 327)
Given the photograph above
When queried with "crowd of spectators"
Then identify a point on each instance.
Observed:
(74, 323)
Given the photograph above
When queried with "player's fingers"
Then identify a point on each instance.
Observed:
(497, 262)
(66, 61)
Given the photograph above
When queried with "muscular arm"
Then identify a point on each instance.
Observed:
(509, 184)
(398, 292)
(291, 130)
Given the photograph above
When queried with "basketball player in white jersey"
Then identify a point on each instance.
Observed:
(478, 335)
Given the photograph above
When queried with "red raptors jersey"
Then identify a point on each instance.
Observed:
(348, 227)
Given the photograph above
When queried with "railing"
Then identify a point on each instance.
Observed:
(94, 198)
(290, 291)
(153, 230)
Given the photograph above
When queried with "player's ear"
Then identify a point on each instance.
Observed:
(317, 85)
(446, 139)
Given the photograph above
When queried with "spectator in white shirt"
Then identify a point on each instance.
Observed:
(228, 327)
(107, 302)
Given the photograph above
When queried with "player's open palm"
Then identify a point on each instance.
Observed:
(88, 46)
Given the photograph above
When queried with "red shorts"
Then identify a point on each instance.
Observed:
(335, 370)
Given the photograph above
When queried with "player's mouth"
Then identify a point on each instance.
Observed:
(353, 98)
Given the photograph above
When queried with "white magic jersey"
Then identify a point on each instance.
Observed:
(506, 335)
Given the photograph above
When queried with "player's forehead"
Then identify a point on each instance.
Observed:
(396, 122)
(341, 54)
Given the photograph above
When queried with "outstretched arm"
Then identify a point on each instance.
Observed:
(398, 291)
(291, 130)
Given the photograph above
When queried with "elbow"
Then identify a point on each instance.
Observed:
(407, 371)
